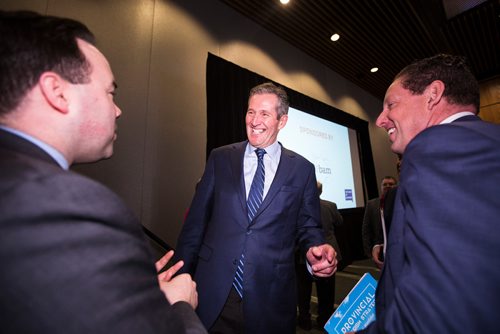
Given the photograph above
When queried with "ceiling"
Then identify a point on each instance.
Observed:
(388, 34)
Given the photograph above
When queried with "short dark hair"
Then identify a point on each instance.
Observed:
(388, 177)
(270, 88)
(31, 44)
(461, 87)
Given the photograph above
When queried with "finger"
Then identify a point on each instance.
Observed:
(168, 274)
(161, 277)
(164, 260)
(318, 251)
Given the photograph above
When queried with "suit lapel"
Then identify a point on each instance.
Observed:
(236, 157)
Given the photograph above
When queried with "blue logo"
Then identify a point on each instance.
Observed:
(348, 194)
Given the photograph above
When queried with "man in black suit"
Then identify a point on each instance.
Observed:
(372, 228)
(73, 256)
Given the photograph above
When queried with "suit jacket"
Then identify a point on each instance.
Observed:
(389, 199)
(73, 257)
(442, 267)
(371, 229)
(330, 219)
(217, 231)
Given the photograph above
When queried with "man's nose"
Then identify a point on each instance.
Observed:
(118, 111)
(381, 119)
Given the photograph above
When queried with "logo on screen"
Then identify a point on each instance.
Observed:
(323, 170)
(348, 194)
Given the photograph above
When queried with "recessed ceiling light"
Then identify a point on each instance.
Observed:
(284, 1)
(335, 37)
(373, 70)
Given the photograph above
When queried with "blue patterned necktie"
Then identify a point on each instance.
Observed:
(253, 203)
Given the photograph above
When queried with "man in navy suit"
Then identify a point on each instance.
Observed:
(442, 270)
(218, 230)
(73, 256)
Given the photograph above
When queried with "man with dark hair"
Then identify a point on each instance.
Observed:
(73, 256)
(372, 227)
(255, 200)
(441, 271)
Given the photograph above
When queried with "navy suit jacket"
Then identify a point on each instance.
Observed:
(216, 232)
(73, 257)
(442, 269)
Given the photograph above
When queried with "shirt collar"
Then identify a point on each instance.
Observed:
(272, 150)
(456, 116)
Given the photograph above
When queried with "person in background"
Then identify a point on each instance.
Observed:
(372, 228)
(387, 209)
(74, 258)
(325, 287)
(441, 271)
(255, 201)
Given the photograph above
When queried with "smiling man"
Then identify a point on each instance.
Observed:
(441, 271)
(239, 237)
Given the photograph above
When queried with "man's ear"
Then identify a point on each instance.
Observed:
(434, 93)
(53, 88)
(282, 121)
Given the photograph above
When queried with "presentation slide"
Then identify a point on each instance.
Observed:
(328, 146)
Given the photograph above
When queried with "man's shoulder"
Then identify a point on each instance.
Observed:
(444, 137)
(239, 146)
(295, 157)
(23, 174)
(471, 126)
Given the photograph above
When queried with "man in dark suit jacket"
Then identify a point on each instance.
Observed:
(441, 271)
(217, 230)
(372, 229)
(73, 256)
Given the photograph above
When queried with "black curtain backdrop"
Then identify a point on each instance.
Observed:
(228, 86)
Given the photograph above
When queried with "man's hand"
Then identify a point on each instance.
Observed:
(323, 260)
(376, 251)
(179, 288)
(161, 263)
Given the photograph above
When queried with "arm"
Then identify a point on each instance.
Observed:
(193, 229)
(320, 256)
(367, 231)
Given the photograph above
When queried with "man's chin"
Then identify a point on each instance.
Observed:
(91, 158)
(397, 148)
